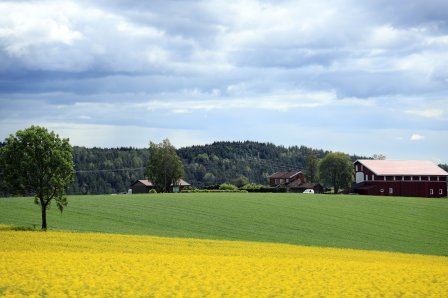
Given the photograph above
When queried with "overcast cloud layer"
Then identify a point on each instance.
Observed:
(341, 75)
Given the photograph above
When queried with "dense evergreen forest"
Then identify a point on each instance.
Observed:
(113, 170)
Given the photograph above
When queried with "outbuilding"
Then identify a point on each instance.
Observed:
(411, 178)
(141, 186)
(297, 186)
(144, 186)
(181, 183)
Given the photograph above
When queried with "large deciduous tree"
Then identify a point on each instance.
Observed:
(37, 162)
(336, 169)
(165, 168)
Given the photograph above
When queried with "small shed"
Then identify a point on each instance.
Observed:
(181, 183)
(141, 186)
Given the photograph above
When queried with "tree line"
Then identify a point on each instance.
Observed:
(37, 162)
(113, 170)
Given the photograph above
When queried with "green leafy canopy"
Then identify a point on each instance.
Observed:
(37, 162)
(336, 169)
(165, 168)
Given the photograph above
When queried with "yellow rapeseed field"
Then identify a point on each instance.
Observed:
(66, 264)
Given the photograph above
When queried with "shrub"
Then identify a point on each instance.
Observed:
(249, 186)
(228, 186)
(212, 186)
(267, 189)
(189, 187)
(152, 191)
(213, 190)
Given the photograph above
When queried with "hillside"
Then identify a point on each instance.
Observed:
(240, 161)
(412, 225)
(112, 170)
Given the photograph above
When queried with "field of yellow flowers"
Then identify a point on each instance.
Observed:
(68, 264)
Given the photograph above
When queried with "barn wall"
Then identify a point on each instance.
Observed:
(406, 188)
(139, 188)
(367, 173)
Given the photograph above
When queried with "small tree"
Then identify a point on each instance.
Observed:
(336, 169)
(209, 178)
(240, 181)
(36, 162)
(165, 168)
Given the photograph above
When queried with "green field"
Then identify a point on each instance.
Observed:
(413, 225)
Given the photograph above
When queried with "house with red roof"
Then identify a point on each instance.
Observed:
(284, 178)
(411, 178)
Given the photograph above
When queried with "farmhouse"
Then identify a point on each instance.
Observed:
(412, 178)
(144, 186)
(294, 181)
(284, 178)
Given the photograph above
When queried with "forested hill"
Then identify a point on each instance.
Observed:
(239, 162)
(113, 170)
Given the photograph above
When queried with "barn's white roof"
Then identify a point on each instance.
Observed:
(403, 167)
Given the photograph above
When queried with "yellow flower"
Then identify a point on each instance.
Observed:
(64, 264)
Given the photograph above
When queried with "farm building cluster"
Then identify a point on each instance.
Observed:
(144, 186)
(293, 181)
(412, 178)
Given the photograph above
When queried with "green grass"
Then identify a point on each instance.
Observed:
(413, 225)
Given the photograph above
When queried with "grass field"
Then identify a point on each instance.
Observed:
(412, 225)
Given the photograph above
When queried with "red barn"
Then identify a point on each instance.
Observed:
(411, 178)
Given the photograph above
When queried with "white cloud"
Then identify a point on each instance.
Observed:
(140, 31)
(336, 65)
(25, 25)
(92, 135)
(416, 137)
(280, 101)
(100, 135)
(428, 113)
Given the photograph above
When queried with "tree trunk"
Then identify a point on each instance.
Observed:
(335, 188)
(44, 218)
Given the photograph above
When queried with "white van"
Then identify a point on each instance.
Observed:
(309, 190)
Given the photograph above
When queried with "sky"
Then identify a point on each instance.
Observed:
(361, 77)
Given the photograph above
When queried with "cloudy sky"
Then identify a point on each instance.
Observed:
(360, 77)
